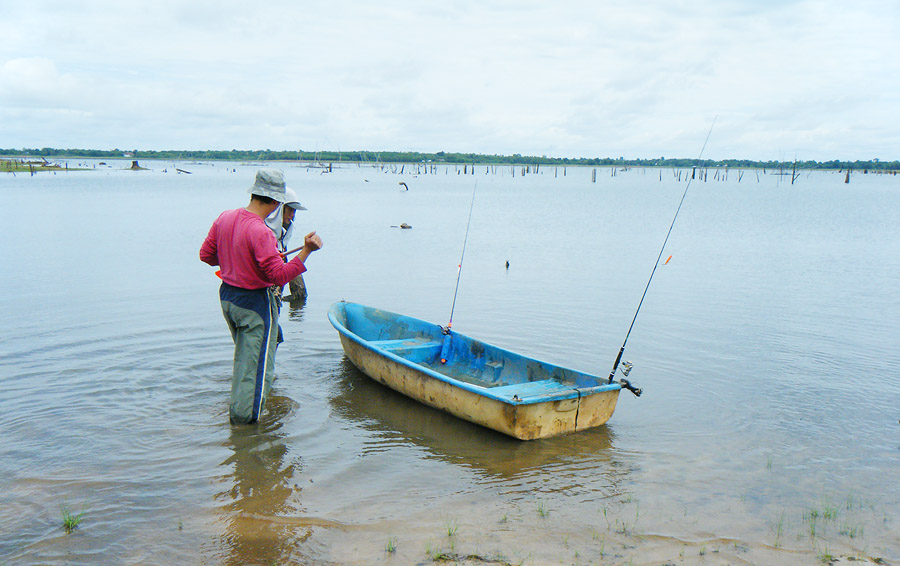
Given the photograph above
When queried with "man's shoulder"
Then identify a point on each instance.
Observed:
(256, 227)
(229, 214)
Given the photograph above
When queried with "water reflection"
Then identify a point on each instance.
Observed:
(262, 491)
(393, 416)
(295, 308)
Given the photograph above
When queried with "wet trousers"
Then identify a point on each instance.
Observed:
(252, 317)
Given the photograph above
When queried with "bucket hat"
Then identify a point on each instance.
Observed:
(269, 183)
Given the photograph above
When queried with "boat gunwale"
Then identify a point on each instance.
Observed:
(570, 393)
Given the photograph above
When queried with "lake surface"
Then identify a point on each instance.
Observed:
(768, 350)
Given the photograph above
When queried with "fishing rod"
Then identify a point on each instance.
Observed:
(627, 365)
(445, 349)
(289, 252)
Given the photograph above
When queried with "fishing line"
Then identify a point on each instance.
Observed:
(627, 369)
(445, 350)
(463, 256)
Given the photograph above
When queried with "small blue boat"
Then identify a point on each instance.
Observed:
(484, 384)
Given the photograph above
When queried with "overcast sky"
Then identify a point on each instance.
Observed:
(633, 78)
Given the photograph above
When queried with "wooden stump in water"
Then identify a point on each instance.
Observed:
(297, 288)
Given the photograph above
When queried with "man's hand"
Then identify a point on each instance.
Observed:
(312, 242)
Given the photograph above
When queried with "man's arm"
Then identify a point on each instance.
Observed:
(208, 251)
(270, 261)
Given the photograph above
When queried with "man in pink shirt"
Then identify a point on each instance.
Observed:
(244, 248)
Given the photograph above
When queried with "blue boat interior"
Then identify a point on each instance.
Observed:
(472, 364)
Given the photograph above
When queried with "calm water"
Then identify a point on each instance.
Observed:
(768, 349)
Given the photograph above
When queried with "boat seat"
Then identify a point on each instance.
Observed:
(412, 349)
(530, 389)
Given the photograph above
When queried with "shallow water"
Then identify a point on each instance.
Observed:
(767, 348)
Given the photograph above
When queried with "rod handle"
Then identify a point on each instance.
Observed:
(612, 374)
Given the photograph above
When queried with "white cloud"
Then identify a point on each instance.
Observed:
(34, 82)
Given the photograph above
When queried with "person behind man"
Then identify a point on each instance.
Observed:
(281, 223)
(244, 248)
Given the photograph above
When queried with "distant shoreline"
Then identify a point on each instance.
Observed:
(439, 158)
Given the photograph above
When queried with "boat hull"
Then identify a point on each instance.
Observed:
(534, 408)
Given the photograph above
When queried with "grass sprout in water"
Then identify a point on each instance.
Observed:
(70, 520)
(779, 530)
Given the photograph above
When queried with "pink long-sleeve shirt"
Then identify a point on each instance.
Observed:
(241, 244)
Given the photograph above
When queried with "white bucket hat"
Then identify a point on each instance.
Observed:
(269, 183)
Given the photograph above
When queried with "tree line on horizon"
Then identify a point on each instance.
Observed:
(440, 157)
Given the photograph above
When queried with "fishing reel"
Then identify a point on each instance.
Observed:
(626, 368)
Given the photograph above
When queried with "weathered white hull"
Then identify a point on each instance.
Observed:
(525, 421)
